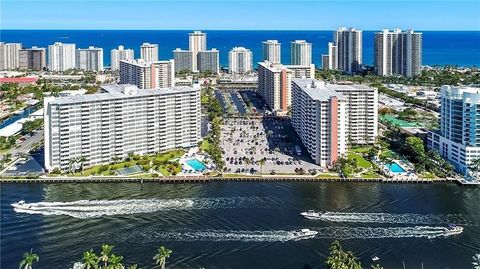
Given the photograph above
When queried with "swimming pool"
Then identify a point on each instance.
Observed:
(196, 164)
(395, 168)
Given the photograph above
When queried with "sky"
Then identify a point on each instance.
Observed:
(240, 14)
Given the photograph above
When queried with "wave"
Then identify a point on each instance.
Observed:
(84, 209)
(283, 235)
(390, 218)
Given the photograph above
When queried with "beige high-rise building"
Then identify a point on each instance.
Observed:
(271, 51)
(398, 53)
(90, 59)
(300, 52)
(274, 84)
(33, 58)
(240, 60)
(147, 75)
(9, 55)
(149, 52)
(119, 54)
(197, 41)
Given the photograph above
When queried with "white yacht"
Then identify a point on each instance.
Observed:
(21, 205)
(453, 229)
(304, 234)
(311, 214)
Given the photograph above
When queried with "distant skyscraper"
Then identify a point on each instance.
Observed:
(300, 52)
(33, 58)
(61, 56)
(240, 60)
(329, 61)
(149, 52)
(117, 55)
(271, 51)
(9, 55)
(208, 60)
(349, 49)
(197, 41)
(147, 75)
(398, 53)
(90, 59)
(183, 60)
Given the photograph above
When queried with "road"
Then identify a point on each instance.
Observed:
(26, 145)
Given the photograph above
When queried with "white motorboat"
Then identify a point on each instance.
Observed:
(21, 205)
(375, 258)
(304, 234)
(454, 229)
(311, 214)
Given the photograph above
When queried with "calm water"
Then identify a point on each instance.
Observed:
(242, 225)
(439, 47)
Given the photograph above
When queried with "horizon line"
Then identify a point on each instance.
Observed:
(195, 29)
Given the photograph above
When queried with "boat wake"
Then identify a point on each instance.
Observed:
(85, 209)
(388, 218)
(283, 235)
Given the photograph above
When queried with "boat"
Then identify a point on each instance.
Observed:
(453, 229)
(311, 214)
(375, 258)
(21, 205)
(304, 234)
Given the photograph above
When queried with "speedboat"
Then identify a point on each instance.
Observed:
(304, 234)
(375, 258)
(21, 205)
(454, 229)
(311, 214)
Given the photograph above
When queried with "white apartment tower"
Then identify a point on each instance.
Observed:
(183, 60)
(90, 59)
(197, 41)
(149, 52)
(398, 53)
(319, 117)
(271, 51)
(349, 49)
(148, 75)
(300, 52)
(121, 120)
(329, 61)
(459, 137)
(9, 55)
(240, 60)
(119, 54)
(61, 56)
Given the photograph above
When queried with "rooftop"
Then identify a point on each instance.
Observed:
(316, 89)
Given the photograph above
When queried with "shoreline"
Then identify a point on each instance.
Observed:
(208, 179)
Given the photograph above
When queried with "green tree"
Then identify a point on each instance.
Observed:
(90, 260)
(415, 148)
(161, 257)
(105, 253)
(341, 259)
(29, 258)
(475, 166)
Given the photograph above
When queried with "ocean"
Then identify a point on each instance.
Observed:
(460, 48)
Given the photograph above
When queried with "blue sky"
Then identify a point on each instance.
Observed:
(237, 15)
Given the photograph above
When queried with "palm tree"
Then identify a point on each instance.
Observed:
(475, 166)
(161, 256)
(82, 159)
(105, 253)
(262, 162)
(476, 261)
(115, 262)
(29, 258)
(90, 260)
(71, 164)
(133, 266)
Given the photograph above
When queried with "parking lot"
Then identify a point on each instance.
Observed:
(249, 142)
(242, 102)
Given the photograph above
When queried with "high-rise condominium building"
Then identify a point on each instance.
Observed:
(319, 118)
(61, 56)
(33, 58)
(329, 61)
(398, 53)
(300, 52)
(90, 59)
(346, 51)
(121, 120)
(117, 55)
(208, 61)
(459, 138)
(183, 60)
(149, 52)
(148, 75)
(274, 85)
(302, 71)
(197, 42)
(328, 117)
(271, 51)
(9, 55)
(240, 60)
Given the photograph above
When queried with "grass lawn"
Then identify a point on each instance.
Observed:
(370, 174)
(360, 149)
(327, 175)
(360, 160)
(428, 175)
